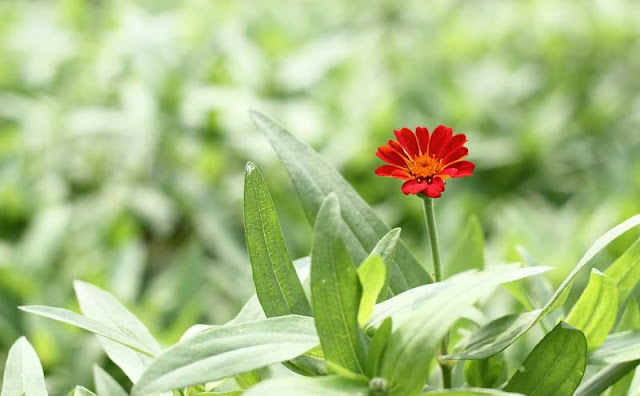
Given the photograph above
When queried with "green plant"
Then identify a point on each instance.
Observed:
(362, 316)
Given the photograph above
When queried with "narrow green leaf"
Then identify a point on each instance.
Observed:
(335, 291)
(371, 274)
(555, 366)
(618, 348)
(606, 377)
(105, 384)
(386, 248)
(625, 271)
(630, 316)
(23, 372)
(81, 391)
(485, 373)
(303, 386)
(412, 345)
(470, 392)
(468, 253)
(314, 179)
(595, 311)
(80, 321)
(480, 347)
(377, 348)
(277, 285)
(101, 306)
(226, 351)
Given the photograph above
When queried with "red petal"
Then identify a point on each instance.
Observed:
(390, 156)
(396, 146)
(386, 170)
(462, 169)
(455, 142)
(445, 143)
(408, 140)
(413, 187)
(435, 188)
(401, 174)
(440, 135)
(455, 155)
(422, 134)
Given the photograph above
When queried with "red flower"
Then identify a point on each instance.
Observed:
(424, 161)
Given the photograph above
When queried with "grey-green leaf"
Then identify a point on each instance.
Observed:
(604, 378)
(23, 372)
(625, 271)
(229, 350)
(277, 285)
(372, 277)
(468, 252)
(314, 179)
(470, 392)
(555, 366)
(618, 348)
(386, 248)
(377, 347)
(512, 327)
(81, 391)
(335, 291)
(304, 386)
(105, 384)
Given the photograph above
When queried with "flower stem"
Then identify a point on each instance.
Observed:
(430, 218)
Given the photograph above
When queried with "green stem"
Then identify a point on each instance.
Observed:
(430, 218)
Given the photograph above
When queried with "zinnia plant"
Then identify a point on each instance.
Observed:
(361, 315)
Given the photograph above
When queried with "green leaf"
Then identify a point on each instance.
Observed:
(335, 291)
(468, 253)
(555, 366)
(81, 391)
(625, 271)
(101, 306)
(23, 372)
(630, 316)
(485, 373)
(229, 350)
(80, 321)
(377, 347)
(606, 377)
(412, 345)
(470, 392)
(595, 311)
(314, 179)
(277, 285)
(372, 275)
(404, 306)
(105, 384)
(502, 332)
(386, 248)
(618, 348)
(302, 386)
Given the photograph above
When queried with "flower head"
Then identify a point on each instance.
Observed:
(425, 161)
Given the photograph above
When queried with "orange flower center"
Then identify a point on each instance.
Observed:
(425, 167)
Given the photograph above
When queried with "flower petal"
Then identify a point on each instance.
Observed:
(396, 146)
(455, 142)
(422, 134)
(401, 174)
(390, 156)
(439, 137)
(455, 156)
(408, 140)
(386, 170)
(413, 186)
(462, 169)
(435, 188)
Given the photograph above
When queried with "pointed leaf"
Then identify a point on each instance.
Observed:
(555, 366)
(603, 379)
(229, 350)
(484, 346)
(595, 311)
(277, 285)
(335, 291)
(377, 347)
(314, 179)
(23, 372)
(625, 271)
(371, 274)
(386, 248)
(105, 384)
(81, 391)
(303, 386)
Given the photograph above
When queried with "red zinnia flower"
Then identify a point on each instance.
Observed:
(424, 161)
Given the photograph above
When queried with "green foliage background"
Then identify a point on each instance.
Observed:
(124, 134)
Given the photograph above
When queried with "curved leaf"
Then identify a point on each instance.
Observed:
(23, 372)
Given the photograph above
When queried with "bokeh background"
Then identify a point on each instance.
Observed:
(124, 133)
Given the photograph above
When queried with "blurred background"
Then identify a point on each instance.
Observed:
(124, 133)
